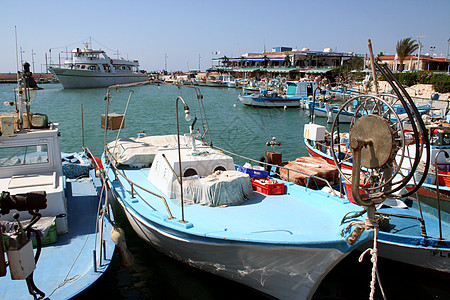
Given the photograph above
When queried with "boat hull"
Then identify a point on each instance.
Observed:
(78, 79)
(315, 152)
(285, 272)
(410, 247)
(433, 259)
(269, 102)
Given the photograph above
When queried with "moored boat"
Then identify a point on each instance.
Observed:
(69, 222)
(186, 198)
(411, 231)
(93, 68)
(297, 91)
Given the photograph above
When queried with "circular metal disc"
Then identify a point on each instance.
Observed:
(376, 129)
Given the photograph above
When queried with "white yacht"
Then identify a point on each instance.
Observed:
(92, 68)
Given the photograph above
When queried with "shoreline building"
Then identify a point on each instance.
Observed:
(283, 61)
(426, 63)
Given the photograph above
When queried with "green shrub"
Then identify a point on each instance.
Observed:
(407, 78)
(424, 77)
(441, 83)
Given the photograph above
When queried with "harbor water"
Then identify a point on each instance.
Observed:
(236, 128)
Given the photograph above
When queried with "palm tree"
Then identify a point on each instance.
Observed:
(225, 60)
(287, 60)
(311, 58)
(404, 48)
(266, 61)
(378, 58)
(242, 61)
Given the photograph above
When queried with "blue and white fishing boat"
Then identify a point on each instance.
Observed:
(296, 93)
(69, 222)
(186, 198)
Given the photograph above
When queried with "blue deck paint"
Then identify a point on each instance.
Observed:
(56, 263)
(266, 219)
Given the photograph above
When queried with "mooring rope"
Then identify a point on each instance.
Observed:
(374, 259)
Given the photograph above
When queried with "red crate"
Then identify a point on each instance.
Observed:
(268, 187)
(444, 180)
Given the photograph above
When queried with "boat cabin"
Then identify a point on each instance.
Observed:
(97, 60)
(209, 177)
(302, 89)
(30, 161)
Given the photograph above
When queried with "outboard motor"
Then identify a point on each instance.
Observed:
(19, 249)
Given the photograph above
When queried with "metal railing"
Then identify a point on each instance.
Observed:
(133, 184)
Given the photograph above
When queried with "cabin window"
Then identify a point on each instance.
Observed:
(24, 155)
(291, 89)
(309, 89)
(190, 172)
(219, 168)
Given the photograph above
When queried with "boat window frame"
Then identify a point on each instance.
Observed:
(33, 167)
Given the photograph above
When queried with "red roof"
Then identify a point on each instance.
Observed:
(408, 57)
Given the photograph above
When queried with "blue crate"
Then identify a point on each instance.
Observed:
(253, 173)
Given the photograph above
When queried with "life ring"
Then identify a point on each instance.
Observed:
(265, 159)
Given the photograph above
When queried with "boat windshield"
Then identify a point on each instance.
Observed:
(24, 155)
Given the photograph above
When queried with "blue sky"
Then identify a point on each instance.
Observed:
(185, 30)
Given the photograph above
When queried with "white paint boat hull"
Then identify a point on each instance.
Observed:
(285, 272)
(429, 258)
(78, 79)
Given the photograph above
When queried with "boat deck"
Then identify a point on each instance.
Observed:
(66, 267)
(407, 227)
(286, 219)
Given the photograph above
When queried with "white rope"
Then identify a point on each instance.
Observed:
(121, 122)
(75, 277)
(374, 259)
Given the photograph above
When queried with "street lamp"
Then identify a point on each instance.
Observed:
(418, 56)
(32, 58)
(448, 47)
(21, 57)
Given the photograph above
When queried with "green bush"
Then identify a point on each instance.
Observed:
(441, 83)
(424, 77)
(407, 78)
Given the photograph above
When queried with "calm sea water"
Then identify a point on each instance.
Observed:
(242, 130)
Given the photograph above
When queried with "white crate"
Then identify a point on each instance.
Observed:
(314, 132)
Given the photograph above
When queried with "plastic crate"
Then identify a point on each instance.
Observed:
(50, 238)
(444, 180)
(268, 187)
(348, 191)
(253, 173)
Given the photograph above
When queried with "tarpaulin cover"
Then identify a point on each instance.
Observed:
(315, 166)
(218, 189)
(142, 150)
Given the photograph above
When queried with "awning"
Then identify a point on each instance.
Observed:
(247, 70)
(318, 70)
(279, 70)
(222, 68)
